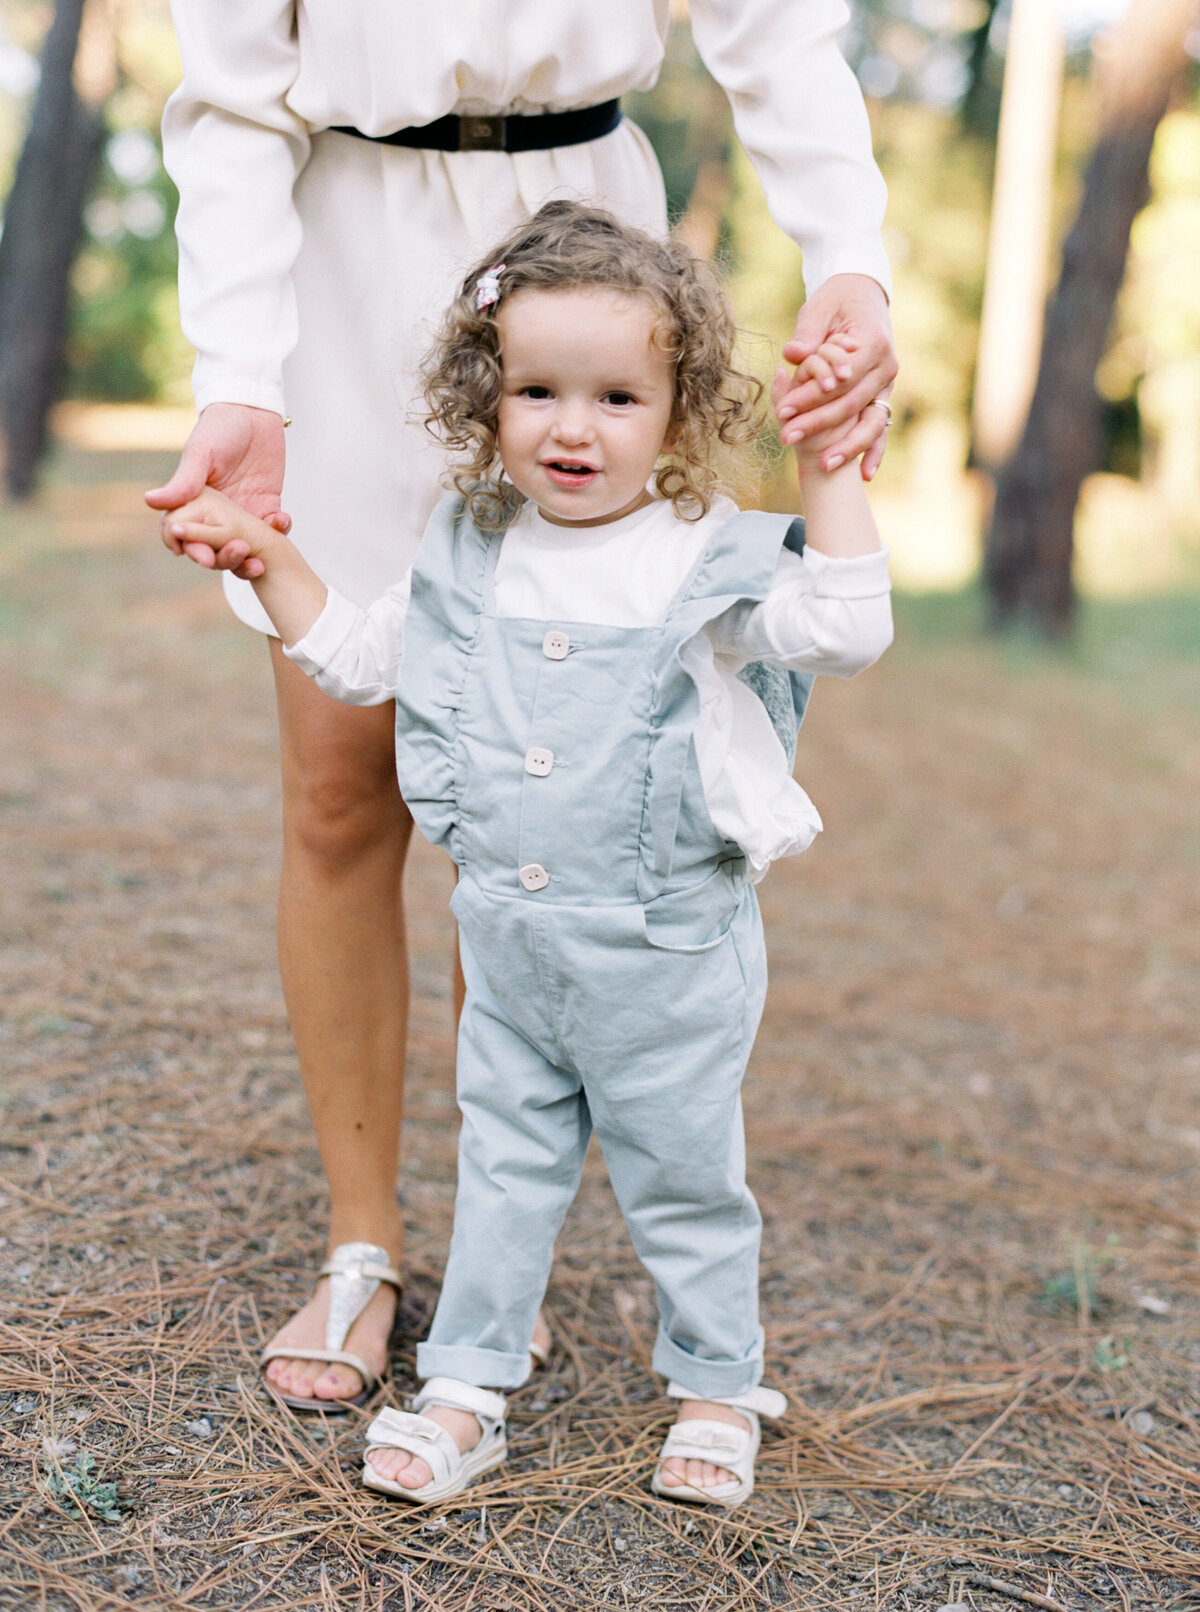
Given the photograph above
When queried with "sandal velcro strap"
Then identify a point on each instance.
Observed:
(417, 1436)
(455, 1395)
(757, 1401)
(718, 1442)
(451, 1470)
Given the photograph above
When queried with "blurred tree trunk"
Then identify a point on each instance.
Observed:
(1014, 296)
(42, 224)
(974, 110)
(1027, 556)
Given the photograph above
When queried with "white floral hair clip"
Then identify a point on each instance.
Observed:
(487, 287)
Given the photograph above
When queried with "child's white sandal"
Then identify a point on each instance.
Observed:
(719, 1443)
(420, 1436)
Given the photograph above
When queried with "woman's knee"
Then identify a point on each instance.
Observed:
(336, 814)
(341, 801)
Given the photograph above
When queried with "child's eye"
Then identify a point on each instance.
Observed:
(620, 399)
(537, 393)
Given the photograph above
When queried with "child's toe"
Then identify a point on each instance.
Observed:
(397, 1466)
(388, 1463)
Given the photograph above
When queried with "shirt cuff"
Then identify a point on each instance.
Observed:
(314, 652)
(254, 394)
(869, 262)
(862, 576)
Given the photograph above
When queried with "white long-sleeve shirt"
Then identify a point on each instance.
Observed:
(821, 615)
(262, 76)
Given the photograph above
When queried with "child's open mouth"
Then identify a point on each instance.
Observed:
(570, 472)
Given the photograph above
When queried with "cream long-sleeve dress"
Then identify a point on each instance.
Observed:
(314, 265)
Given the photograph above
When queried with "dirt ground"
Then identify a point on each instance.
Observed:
(973, 1115)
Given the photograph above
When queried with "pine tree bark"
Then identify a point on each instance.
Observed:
(42, 225)
(1029, 546)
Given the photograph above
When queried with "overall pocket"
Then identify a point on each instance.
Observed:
(699, 918)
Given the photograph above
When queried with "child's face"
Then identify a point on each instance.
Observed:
(587, 401)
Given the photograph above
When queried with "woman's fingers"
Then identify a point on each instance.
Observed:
(870, 374)
(833, 413)
(821, 375)
(873, 457)
(867, 436)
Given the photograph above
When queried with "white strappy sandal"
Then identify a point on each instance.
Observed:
(720, 1443)
(453, 1469)
(355, 1271)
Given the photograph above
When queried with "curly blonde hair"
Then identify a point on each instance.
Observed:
(566, 245)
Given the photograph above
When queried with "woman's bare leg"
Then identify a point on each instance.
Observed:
(344, 964)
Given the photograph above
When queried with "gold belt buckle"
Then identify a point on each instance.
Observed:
(481, 134)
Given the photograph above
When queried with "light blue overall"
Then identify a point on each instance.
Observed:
(612, 949)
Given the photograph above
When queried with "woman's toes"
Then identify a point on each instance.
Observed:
(338, 1382)
(290, 1377)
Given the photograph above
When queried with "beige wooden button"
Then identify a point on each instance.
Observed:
(556, 645)
(539, 761)
(534, 876)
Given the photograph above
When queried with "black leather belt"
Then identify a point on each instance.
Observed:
(517, 132)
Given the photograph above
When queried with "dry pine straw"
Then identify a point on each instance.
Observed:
(972, 1130)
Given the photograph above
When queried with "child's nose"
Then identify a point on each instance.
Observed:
(572, 423)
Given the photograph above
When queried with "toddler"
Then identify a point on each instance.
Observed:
(598, 665)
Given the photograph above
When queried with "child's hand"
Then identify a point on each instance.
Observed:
(824, 368)
(215, 533)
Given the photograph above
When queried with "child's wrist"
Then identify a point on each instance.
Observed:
(810, 469)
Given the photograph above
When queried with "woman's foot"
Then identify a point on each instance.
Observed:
(700, 1474)
(409, 1471)
(540, 1343)
(315, 1379)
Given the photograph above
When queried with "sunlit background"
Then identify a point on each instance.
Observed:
(932, 71)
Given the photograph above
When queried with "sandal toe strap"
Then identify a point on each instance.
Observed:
(334, 1357)
(717, 1442)
(419, 1436)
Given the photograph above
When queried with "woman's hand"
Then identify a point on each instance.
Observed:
(238, 450)
(831, 399)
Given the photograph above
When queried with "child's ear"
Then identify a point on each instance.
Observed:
(671, 440)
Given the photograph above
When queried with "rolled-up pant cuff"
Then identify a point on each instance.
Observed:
(708, 1379)
(482, 1368)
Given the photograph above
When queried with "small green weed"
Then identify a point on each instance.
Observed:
(1111, 1356)
(1076, 1289)
(80, 1488)
(1069, 1290)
